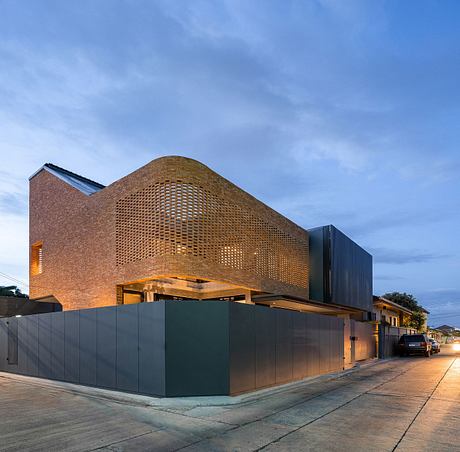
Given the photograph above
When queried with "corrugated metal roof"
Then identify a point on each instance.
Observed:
(85, 185)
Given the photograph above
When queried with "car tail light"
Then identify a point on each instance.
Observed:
(423, 344)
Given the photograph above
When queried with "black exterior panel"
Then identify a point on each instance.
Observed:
(265, 349)
(72, 346)
(127, 348)
(87, 354)
(106, 359)
(151, 318)
(44, 346)
(340, 270)
(197, 348)
(57, 347)
(351, 270)
(21, 359)
(32, 345)
(242, 335)
(284, 335)
(299, 346)
(325, 344)
(3, 344)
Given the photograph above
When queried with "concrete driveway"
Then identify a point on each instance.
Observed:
(410, 404)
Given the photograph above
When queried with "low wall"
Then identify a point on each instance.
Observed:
(173, 348)
(11, 306)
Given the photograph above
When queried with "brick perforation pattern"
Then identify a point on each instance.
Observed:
(177, 217)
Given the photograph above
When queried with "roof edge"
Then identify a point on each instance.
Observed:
(81, 183)
(392, 303)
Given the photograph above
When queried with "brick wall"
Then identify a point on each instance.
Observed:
(172, 217)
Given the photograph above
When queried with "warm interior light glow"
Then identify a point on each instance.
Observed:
(37, 259)
(457, 347)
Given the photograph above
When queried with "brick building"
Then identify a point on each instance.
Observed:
(136, 250)
(173, 229)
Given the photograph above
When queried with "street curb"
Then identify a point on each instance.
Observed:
(184, 402)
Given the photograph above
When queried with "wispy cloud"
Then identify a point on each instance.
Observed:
(13, 203)
(443, 304)
(391, 256)
(330, 111)
(388, 277)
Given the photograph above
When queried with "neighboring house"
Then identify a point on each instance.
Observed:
(436, 334)
(18, 306)
(389, 312)
(174, 229)
(425, 323)
(446, 329)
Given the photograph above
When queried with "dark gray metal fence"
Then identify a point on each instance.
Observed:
(174, 348)
(388, 339)
(117, 347)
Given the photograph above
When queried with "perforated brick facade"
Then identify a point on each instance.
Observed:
(173, 217)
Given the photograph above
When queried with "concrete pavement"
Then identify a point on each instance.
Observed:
(404, 404)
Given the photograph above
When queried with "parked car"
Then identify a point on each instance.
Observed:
(435, 346)
(413, 344)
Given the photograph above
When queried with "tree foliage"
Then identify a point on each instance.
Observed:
(12, 291)
(403, 299)
(417, 320)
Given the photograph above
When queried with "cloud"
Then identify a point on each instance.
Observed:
(388, 277)
(390, 256)
(329, 111)
(411, 217)
(211, 79)
(443, 304)
(13, 203)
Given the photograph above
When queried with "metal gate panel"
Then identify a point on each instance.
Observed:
(44, 346)
(57, 346)
(365, 341)
(242, 340)
(87, 355)
(313, 344)
(106, 348)
(324, 344)
(128, 348)
(3, 344)
(30, 339)
(13, 342)
(152, 348)
(283, 346)
(265, 348)
(299, 346)
(72, 346)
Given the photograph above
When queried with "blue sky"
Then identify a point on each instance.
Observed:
(328, 111)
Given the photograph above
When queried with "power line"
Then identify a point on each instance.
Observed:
(437, 316)
(12, 278)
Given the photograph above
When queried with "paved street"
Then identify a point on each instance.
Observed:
(410, 404)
